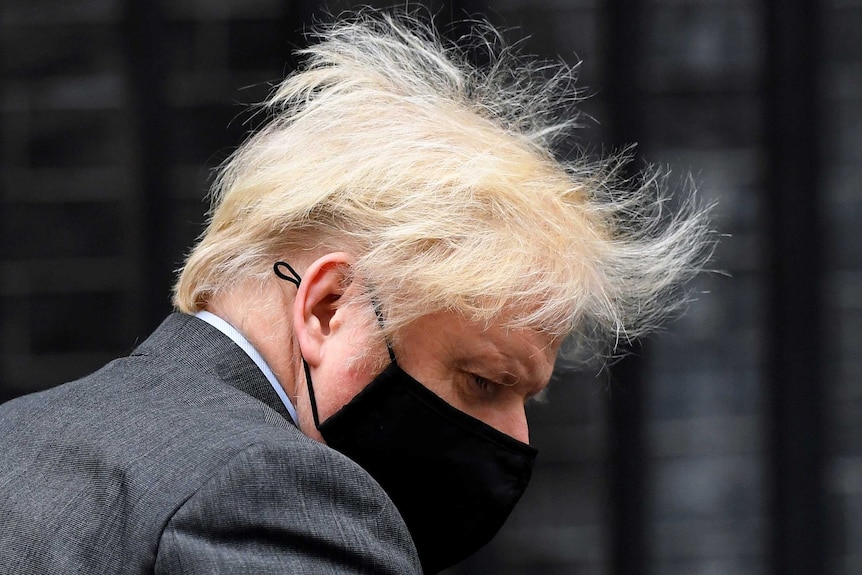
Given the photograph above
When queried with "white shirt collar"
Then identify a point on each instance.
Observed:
(249, 349)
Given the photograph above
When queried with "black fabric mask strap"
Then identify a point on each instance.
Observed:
(295, 279)
(311, 398)
(379, 313)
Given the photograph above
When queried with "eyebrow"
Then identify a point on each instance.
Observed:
(505, 361)
(520, 372)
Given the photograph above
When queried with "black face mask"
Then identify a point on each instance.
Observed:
(453, 478)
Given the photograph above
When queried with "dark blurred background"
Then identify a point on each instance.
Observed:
(728, 444)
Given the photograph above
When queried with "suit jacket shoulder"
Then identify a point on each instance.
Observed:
(177, 459)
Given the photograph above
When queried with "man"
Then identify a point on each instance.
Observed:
(391, 267)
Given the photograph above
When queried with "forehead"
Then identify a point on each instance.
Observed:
(532, 353)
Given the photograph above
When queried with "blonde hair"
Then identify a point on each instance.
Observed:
(440, 178)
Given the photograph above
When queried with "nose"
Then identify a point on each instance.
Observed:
(511, 418)
(521, 430)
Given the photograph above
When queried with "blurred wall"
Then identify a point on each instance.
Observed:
(729, 443)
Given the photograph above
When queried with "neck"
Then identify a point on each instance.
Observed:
(263, 316)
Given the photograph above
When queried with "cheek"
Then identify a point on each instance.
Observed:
(334, 388)
(339, 379)
(351, 362)
(360, 364)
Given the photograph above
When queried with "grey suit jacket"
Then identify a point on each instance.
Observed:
(181, 459)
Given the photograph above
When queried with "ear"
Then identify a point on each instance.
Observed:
(316, 316)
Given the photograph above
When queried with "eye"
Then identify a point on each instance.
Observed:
(482, 383)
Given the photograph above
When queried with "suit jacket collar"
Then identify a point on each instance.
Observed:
(194, 341)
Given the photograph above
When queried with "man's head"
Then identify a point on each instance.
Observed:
(442, 252)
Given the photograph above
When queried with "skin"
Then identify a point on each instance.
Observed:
(486, 372)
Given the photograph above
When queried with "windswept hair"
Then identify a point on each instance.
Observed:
(440, 177)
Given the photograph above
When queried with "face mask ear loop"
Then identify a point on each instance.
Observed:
(311, 399)
(292, 278)
(379, 313)
(296, 280)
